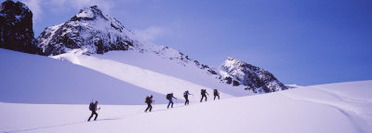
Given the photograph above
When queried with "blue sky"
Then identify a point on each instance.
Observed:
(304, 42)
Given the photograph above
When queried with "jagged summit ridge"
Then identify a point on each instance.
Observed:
(94, 32)
(90, 13)
(89, 29)
(94, 13)
(257, 79)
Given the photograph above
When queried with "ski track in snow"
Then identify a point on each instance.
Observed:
(42, 127)
(139, 111)
(352, 108)
(344, 98)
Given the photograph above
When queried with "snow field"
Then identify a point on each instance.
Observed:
(306, 110)
(349, 98)
(331, 108)
(36, 79)
(175, 68)
(142, 77)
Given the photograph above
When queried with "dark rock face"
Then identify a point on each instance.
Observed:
(89, 30)
(254, 78)
(16, 31)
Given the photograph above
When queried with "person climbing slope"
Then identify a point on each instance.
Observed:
(216, 94)
(170, 98)
(148, 100)
(203, 93)
(186, 95)
(93, 107)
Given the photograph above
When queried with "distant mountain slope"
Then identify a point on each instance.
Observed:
(26, 78)
(29, 78)
(95, 33)
(152, 73)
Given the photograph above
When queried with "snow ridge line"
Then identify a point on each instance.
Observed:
(140, 77)
(343, 98)
(347, 114)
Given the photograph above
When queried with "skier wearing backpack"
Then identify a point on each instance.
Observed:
(170, 98)
(216, 94)
(148, 100)
(203, 93)
(93, 107)
(186, 95)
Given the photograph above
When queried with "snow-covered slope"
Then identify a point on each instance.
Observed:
(26, 78)
(29, 78)
(332, 108)
(153, 73)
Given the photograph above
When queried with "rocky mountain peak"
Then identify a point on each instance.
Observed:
(16, 31)
(11, 7)
(254, 78)
(89, 29)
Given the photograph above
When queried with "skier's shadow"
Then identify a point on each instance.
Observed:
(178, 106)
(109, 119)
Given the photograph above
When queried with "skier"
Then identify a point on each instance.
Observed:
(170, 98)
(216, 94)
(93, 107)
(186, 95)
(148, 100)
(203, 92)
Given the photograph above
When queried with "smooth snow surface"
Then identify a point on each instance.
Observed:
(122, 77)
(152, 72)
(29, 78)
(332, 108)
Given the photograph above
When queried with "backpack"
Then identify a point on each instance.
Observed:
(146, 99)
(215, 92)
(169, 96)
(91, 106)
(203, 91)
